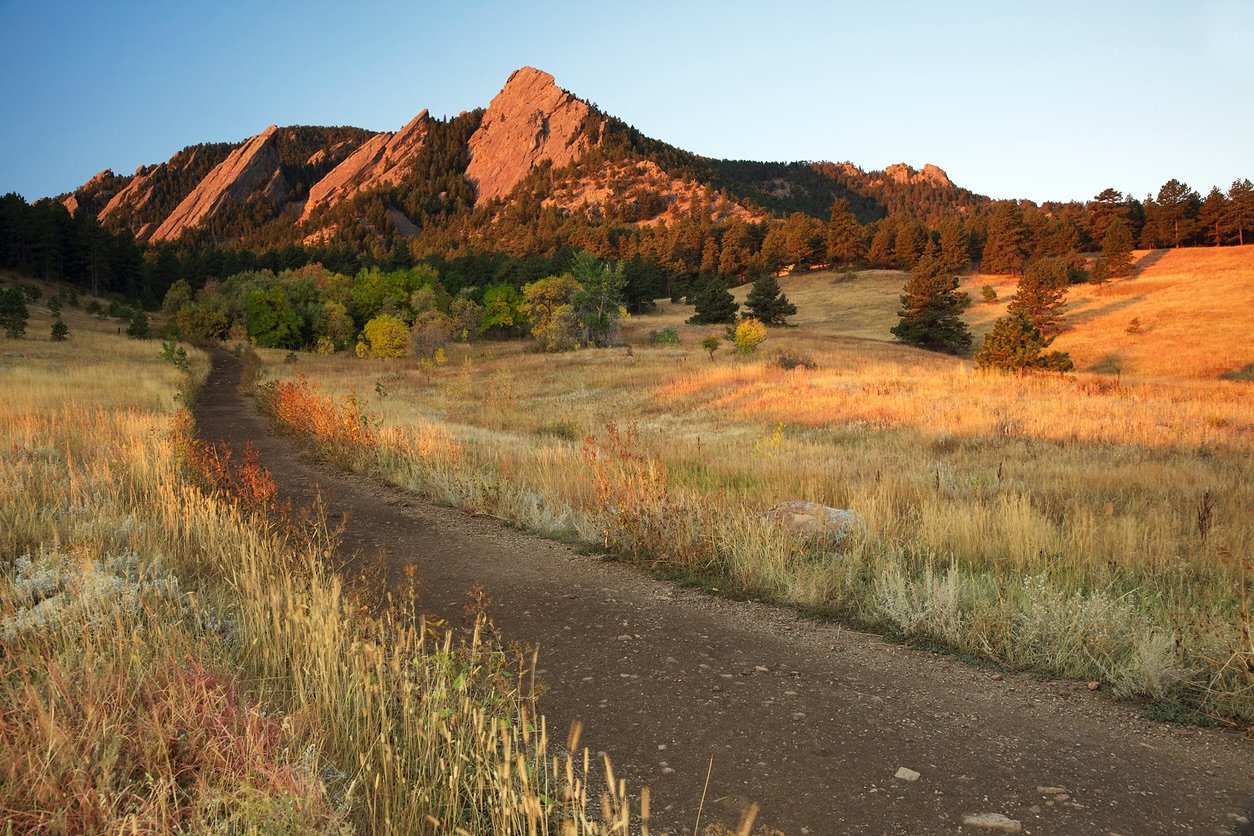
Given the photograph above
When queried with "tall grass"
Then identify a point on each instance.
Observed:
(177, 654)
(1082, 526)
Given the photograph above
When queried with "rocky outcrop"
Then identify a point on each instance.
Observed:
(381, 161)
(812, 521)
(530, 121)
(133, 196)
(931, 175)
(253, 165)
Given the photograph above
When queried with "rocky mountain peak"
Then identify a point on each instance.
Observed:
(252, 166)
(530, 121)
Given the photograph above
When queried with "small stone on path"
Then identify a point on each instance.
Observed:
(906, 774)
(992, 821)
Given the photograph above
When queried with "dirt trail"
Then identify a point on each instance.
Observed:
(810, 720)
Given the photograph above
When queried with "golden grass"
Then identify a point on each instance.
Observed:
(1084, 525)
(174, 660)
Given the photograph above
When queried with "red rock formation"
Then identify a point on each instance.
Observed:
(902, 173)
(530, 121)
(132, 196)
(383, 160)
(254, 164)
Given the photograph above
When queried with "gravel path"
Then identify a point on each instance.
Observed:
(811, 721)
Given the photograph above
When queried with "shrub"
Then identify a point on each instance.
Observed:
(749, 334)
(138, 328)
(667, 336)
(988, 293)
(711, 344)
(59, 330)
(386, 336)
(789, 359)
(1015, 345)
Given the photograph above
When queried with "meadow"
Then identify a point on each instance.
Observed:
(178, 654)
(1094, 525)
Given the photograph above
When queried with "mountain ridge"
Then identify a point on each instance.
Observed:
(531, 130)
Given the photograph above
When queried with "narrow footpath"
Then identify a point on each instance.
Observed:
(811, 721)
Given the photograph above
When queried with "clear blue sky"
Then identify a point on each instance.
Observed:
(1055, 101)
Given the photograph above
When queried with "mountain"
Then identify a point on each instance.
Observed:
(536, 151)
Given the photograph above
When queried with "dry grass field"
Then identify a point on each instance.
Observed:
(178, 656)
(1094, 525)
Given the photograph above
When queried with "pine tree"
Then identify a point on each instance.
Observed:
(1005, 251)
(1015, 345)
(846, 239)
(714, 303)
(955, 246)
(1042, 294)
(1104, 208)
(138, 328)
(1241, 196)
(880, 253)
(768, 303)
(1117, 250)
(60, 331)
(1178, 205)
(931, 310)
(13, 312)
(1214, 215)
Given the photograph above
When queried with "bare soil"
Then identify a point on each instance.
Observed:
(810, 720)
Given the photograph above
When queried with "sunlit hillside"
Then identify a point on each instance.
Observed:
(1193, 306)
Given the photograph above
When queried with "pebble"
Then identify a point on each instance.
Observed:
(906, 774)
(1051, 790)
(998, 677)
(798, 715)
(762, 669)
(993, 821)
(1093, 686)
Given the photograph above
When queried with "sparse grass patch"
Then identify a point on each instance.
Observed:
(178, 657)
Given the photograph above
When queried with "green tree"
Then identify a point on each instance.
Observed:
(711, 344)
(880, 253)
(270, 319)
(714, 303)
(1015, 345)
(599, 300)
(846, 239)
(1005, 250)
(767, 302)
(138, 329)
(502, 312)
(1042, 294)
(13, 312)
(1116, 258)
(60, 331)
(931, 310)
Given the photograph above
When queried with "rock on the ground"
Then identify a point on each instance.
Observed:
(906, 774)
(832, 525)
(992, 821)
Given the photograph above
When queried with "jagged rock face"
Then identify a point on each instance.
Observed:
(381, 161)
(530, 121)
(902, 173)
(252, 165)
(132, 196)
